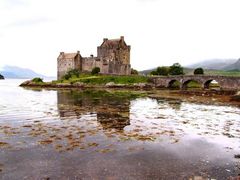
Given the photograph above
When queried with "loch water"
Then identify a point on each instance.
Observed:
(111, 134)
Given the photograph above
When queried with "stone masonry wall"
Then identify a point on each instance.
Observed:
(64, 66)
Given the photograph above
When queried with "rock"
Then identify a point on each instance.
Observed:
(235, 98)
(27, 83)
(237, 156)
(113, 85)
(79, 84)
(142, 85)
(110, 84)
(63, 85)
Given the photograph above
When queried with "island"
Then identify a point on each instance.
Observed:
(1, 76)
(111, 68)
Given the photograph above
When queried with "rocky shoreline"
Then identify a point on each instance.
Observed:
(194, 95)
(84, 85)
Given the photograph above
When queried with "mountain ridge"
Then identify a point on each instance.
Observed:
(15, 72)
(213, 64)
(217, 64)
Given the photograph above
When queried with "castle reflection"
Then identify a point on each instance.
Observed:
(112, 111)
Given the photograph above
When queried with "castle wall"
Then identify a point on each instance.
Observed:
(121, 54)
(119, 69)
(64, 65)
(124, 55)
(90, 62)
(103, 52)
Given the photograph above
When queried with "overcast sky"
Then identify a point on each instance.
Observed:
(161, 32)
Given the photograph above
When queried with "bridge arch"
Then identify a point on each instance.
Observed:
(174, 84)
(211, 83)
(197, 84)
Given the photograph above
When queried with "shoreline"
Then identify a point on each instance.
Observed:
(219, 97)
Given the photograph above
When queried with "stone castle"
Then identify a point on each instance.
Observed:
(113, 57)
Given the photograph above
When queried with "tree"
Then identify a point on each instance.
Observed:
(1, 76)
(134, 71)
(176, 69)
(163, 71)
(198, 71)
(95, 70)
(153, 73)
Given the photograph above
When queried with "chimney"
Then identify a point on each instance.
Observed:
(105, 39)
(91, 55)
(78, 52)
(122, 38)
(62, 53)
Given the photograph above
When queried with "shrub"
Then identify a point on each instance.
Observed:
(134, 71)
(176, 69)
(66, 77)
(95, 70)
(73, 73)
(198, 71)
(163, 71)
(37, 80)
(153, 73)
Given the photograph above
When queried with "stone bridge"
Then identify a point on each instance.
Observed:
(225, 82)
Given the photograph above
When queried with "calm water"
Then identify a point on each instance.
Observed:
(105, 135)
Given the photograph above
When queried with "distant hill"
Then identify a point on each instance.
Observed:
(234, 66)
(213, 65)
(218, 64)
(147, 71)
(14, 72)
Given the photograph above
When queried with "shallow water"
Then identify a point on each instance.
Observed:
(77, 134)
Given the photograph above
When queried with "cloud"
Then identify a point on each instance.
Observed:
(28, 22)
(147, 0)
(14, 3)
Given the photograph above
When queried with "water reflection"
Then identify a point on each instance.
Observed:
(111, 111)
(174, 104)
(112, 135)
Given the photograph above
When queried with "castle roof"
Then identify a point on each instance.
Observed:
(113, 43)
(64, 55)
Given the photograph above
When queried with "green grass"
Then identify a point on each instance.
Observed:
(193, 84)
(103, 79)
